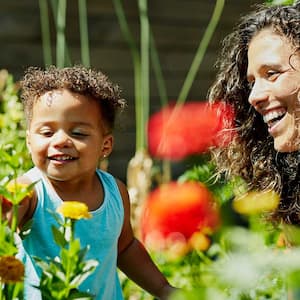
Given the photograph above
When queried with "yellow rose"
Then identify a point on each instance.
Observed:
(74, 210)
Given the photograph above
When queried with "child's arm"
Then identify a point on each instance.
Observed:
(134, 260)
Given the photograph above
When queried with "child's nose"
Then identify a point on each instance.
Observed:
(61, 139)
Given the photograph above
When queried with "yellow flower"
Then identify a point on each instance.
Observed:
(15, 187)
(199, 241)
(11, 269)
(255, 202)
(74, 210)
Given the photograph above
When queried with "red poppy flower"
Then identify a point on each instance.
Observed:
(176, 132)
(179, 210)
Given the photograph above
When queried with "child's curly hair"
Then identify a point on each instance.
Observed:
(252, 154)
(77, 79)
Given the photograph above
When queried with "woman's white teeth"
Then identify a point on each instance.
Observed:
(274, 116)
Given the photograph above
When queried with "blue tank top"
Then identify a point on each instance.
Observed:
(101, 233)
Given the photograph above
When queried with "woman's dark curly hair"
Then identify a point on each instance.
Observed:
(252, 154)
(77, 79)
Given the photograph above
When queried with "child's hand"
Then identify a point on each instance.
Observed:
(167, 292)
(6, 204)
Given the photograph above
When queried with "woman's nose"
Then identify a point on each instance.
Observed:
(258, 94)
(61, 139)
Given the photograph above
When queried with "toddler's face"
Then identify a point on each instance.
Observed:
(274, 72)
(66, 136)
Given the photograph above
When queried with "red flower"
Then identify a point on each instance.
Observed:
(176, 132)
(5, 204)
(179, 210)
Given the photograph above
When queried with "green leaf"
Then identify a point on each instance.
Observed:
(75, 294)
(59, 237)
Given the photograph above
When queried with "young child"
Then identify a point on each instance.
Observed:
(70, 115)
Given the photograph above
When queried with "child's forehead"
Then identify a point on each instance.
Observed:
(66, 102)
(49, 97)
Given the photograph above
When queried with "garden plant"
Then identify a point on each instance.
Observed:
(200, 229)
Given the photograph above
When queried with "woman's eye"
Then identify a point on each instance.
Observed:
(271, 74)
(251, 84)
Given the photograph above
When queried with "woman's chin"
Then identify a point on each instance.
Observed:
(288, 146)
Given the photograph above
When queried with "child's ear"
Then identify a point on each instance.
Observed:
(107, 145)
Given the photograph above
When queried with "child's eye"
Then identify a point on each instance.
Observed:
(77, 133)
(46, 132)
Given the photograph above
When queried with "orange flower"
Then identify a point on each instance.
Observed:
(178, 209)
(176, 132)
(74, 210)
(11, 269)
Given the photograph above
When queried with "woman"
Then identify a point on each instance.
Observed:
(259, 75)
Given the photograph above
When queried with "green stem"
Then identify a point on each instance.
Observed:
(72, 231)
(137, 69)
(44, 16)
(145, 86)
(60, 35)
(166, 171)
(162, 91)
(84, 35)
(14, 222)
(54, 7)
(6, 292)
(17, 287)
(201, 51)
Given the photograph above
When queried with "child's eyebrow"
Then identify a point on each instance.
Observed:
(73, 123)
(82, 124)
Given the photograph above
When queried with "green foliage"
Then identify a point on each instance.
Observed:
(242, 263)
(7, 246)
(239, 265)
(280, 2)
(62, 275)
(206, 173)
(14, 157)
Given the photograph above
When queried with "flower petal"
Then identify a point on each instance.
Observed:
(179, 209)
(74, 210)
(178, 131)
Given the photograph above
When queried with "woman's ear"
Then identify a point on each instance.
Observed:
(107, 146)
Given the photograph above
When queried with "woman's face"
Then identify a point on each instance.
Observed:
(274, 73)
